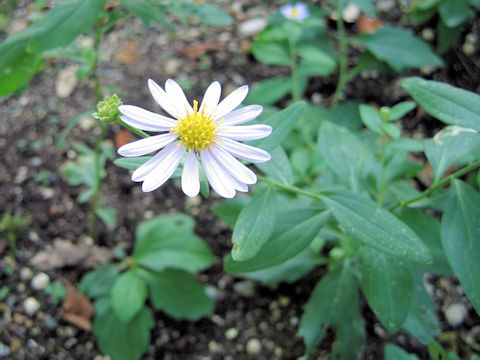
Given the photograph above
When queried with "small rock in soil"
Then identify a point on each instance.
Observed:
(26, 273)
(455, 314)
(251, 27)
(4, 351)
(50, 322)
(31, 306)
(254, 347)
(245, 288)
(40, 281)
(231, 333)
(214, 347)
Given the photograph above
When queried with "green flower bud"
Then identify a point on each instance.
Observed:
(107, 110)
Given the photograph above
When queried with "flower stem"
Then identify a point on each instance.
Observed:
(437, 185)
(342, 56)
(139, 132)
(290, 188)
(293, 70)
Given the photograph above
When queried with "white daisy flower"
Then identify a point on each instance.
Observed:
(208, 133)
(297, 12)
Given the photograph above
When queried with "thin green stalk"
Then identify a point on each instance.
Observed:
(293, 70)
(383, 175)
(290, 188)
(438, 185)
(101, 135)
(342, 56)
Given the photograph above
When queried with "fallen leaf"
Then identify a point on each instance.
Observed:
(122, 137)
(67, 80)
(65, 253)
(77, 308)
(128, 53)
(195, 50)
(368, 25)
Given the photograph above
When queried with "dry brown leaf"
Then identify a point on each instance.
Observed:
(77, 308)
(128, 53)
(368, 25)
(195, 50)
(122, 137)
(65, 253)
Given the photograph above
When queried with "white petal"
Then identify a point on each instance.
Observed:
(216, 177)
(242, 115)
(143, 170)
(245, 152)
(231, 101)
(144, 119)
(147, 145)
(244, 133)
(164, 169)
(175, 92)
(190, 182)
(234, 167)
(211, 98)
(165, 101)
(237, 185)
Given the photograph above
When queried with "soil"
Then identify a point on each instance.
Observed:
(30, 183)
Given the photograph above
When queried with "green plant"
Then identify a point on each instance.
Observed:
(13, 226)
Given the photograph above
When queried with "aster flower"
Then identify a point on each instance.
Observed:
(297, 12)
(208, 134)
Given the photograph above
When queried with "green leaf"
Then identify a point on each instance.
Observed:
(365, 220)
(108, 215)
(445, 102)
(454, 12)
(270, 53)
(254, 225)
(393, 352)
(228, 210)
(461, 238)
(346, 115)
(407, 144)
(428, 229)
(178, 294)
(282, 123)
(64, 23)
(315, 62)
(164, 242)
(371, 119)
(447, 36)
(146, 10)
(131, 163)
(278, 167)
(268, 91)
(128, 295)
(123, 341)
(97, 283)
(350, 338)
(334, 298)
(289, 271)
(400, 109)
(388, 287)
(295, 230)
(344, 153)
(212, 15)
(448, 146)
(388, 44)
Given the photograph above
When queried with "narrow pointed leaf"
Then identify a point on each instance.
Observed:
(254, 225)
(461, 238)
(362, 218)
(447, 103)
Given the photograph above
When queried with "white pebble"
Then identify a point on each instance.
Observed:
(254, 347)
(31, 306)
(468, 48)
(40, 281)
(428, 34)
(351, 13)
(231, 333)
(455, 314)
(26, 273)
(251, 27)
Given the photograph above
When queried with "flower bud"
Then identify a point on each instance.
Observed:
(107, 110)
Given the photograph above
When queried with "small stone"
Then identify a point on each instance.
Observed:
(67, 80)
(35, 161)
(214, 347)
(468, 48)
(455, 314)
(31, 306)
(251, 27)
(4, 350)
(87, 123)
(254, 347)
(351, 13)
(50, 322)
(471, 38)
(33, 237)
(428, 34)
(148, 214)
(40, 281)
(284, 301)
(231, 333)
(26, 273)
(211, 292)
(21, 175)
(47, 193)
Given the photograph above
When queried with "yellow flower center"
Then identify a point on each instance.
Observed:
(196, 130)
(294, 13)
